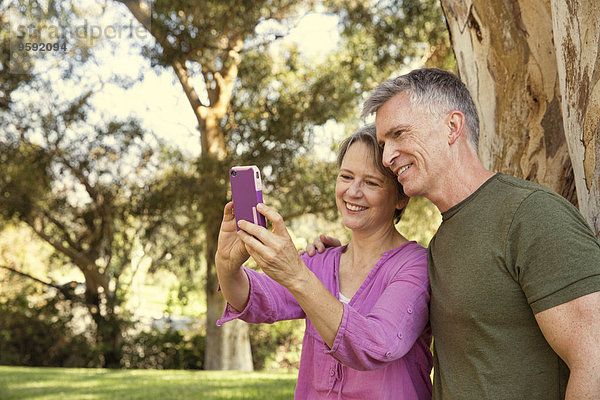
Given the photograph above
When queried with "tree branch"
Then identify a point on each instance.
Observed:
(225, 79)
(79, 259)
(62, 228)
(100, 209)
(63, 289)
(26, 275)
(183, 76)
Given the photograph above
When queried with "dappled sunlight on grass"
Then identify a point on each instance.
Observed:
(67, 383)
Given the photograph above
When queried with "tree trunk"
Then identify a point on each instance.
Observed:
(227, 346)
(507, 57)
(577, 37)
(109, 327)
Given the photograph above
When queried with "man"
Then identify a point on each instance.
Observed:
(514, 268)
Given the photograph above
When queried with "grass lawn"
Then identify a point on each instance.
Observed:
(80, 384)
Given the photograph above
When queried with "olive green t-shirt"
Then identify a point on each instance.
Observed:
(510, 250)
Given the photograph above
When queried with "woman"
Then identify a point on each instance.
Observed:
(366, 303)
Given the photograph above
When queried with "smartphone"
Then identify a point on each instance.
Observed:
(246, 191)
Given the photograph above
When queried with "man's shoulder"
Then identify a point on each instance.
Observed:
(512, 183)
(517, 193)
(533, 195)
(540, 211)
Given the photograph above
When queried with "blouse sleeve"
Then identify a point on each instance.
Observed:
(269, 302)
(391, 328)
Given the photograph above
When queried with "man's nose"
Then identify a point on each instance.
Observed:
(387, 156)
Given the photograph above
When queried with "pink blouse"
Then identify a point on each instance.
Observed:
(381, 350)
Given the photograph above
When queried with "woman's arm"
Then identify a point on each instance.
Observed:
(277, 256)
(251, 296)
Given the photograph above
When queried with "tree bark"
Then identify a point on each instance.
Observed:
(507, 57)
(576, 27)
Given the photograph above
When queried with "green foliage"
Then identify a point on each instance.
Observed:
(84, 190)
(74, 384)
(420, 221)
(269, 124)
(164, 349)
(387, 35)
(277, 347)
(201, 34)
(35, 330)
(46, 21)
(9, 81)
(24, 180)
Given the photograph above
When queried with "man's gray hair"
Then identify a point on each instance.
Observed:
(433, 90)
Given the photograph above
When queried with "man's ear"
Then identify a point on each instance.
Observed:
(455, 121)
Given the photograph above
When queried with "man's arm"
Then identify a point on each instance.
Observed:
(573, 330)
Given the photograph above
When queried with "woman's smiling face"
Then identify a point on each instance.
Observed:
(366, 199)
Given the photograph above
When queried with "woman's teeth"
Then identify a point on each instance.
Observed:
(352, 207)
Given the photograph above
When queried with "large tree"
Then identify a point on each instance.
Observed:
(256, 105)
(533, 68)
(93, 193)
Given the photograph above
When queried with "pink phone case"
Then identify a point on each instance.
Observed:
(246, 191)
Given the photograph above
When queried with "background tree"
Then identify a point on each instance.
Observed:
(534, 70)
(259, 106)
(85, 190)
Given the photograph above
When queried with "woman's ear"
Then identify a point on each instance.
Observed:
(455, 121)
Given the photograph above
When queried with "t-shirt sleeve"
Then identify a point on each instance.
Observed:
(554, 255)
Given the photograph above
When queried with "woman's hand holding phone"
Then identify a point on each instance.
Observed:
(231, 252)
(273, 251)
(246, 191)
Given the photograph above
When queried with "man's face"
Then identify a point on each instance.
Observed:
(413, 143)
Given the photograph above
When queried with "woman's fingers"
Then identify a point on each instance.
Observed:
(253, 229)
(253, 245)
(311, 249)
(318, 244)
(273, 216)
(262, 234)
